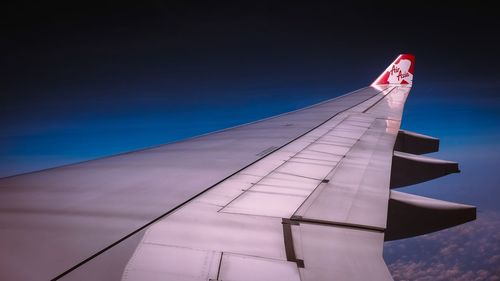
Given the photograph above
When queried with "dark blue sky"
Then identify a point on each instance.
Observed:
(85, 81)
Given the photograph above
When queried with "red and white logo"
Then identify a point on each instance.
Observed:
(399, 72)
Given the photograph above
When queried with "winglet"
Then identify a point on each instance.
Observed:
(400, 72)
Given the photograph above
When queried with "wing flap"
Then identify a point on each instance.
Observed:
(339, 253)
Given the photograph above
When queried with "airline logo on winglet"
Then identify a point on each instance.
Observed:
(400, 72)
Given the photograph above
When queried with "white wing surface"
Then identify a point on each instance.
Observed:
(301, 196)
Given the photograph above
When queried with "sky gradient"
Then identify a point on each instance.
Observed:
(81, 82)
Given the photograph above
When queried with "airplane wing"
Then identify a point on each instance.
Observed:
(305, 195)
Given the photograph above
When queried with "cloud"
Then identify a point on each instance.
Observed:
(470, 252)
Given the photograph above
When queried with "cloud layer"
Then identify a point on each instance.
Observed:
(469, 252)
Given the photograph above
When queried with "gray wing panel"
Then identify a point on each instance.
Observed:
(253, 222)
(314, 209)
(357, 192)
(339, 253)
(338, 232)
(54, 219)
